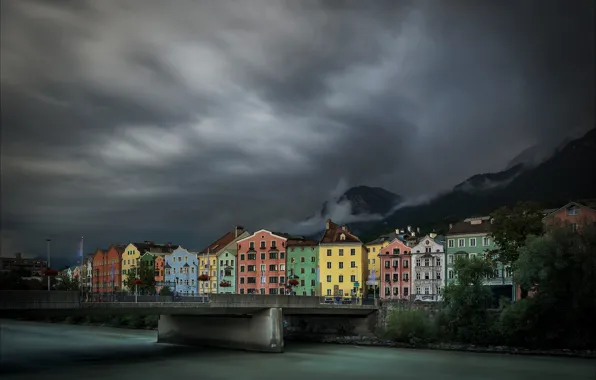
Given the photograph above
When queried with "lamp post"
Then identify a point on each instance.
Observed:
(48, 241)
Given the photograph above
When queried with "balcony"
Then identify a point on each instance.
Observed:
(494, 281)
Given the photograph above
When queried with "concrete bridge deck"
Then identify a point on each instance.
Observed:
(249, 322)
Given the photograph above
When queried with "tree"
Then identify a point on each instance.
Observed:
(511, 228)
(465, 317)
(66, 283)
(561, 268)
(146, 274)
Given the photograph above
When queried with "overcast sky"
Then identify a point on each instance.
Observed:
(174, 121)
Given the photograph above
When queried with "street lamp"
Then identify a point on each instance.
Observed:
(48, 241)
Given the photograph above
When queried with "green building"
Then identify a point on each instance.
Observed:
(472, 238)
(302, 266)
(148, 259)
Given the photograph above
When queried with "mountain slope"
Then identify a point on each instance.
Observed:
(567, 175)
(366, 200)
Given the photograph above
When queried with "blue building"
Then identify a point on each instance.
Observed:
(181, 271)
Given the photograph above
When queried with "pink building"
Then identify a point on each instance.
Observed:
(395, 270)
(262, 263)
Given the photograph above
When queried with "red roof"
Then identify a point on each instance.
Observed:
(333, 234)
(222, 241)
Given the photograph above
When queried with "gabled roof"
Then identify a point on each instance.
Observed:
(333, 233)
(282, 235)
(568, 205)
(149, 246)
(223, 241)
(466, 227)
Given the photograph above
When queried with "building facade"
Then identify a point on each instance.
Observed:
(28, 267)
(107, 277)
(374, 265)
(302, 267)
(222, 274)
(428, 259)
(262, 263)
(159, 266)
(207, 272)
(395, 270)
(343, 263)
(573, 214)
(133, 252)
(472, 238)
(181, 269)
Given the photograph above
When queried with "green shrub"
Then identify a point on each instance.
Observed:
(410, 326)
(150, 321)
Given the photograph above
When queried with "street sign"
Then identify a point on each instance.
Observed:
(165, 283)
(371, 282)
(356, 285)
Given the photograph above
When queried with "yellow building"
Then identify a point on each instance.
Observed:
(130, 260)
(343, 265)
(207, 266)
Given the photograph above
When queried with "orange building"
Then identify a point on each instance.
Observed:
(107, 273)
(159, 271)
(573, 213)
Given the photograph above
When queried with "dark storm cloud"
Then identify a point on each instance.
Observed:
(127, 120)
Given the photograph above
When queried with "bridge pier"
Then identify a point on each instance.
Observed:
(262, 331)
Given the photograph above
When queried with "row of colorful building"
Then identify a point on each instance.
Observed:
(399, 265)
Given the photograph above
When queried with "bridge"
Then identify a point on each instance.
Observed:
(249, 322)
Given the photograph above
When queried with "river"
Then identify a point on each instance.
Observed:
(58, 351)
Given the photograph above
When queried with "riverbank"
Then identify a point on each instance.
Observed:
(378, 342)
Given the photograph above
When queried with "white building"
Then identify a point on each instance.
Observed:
(428, 278)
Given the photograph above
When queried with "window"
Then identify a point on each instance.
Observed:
(312, 282)
(252, 256)
(451, 275)
(263, 267)
(251, 268)
(313, 259)
(438, 261)
(573, 226)
(417, 275)
(417, 262)
(263, 245)
(450, 243)
(387, 277)
(301, 270)
(251, 245)
(341, 265)
(472, 242)
(273, 280)
(273, 267)
(461, 243)
(406, 292)
(301, 259)
(328, 292)
(329, 278)
(418, 290)
(353, 252)
(395, 277)
(328, 252)
(282, 267)
(328, 265)
(485, 241)
(426, 276)
(426, 262)
(341, 278)
(341, 252)
(438, 275)
(426, 290)
(272, 255)
(282, 279)
(273, 244)
(387, 291)
(573, 210)
(262, 256)
(242, 257)
(405, 265)
(282, 255)
(313, 270)
(405, 277)
(395, 291)
(353, 278)
(450, 259)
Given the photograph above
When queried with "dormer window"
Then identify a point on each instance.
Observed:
(573, 210)
(342, 237)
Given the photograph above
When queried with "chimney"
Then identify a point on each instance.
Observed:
(328, 224)
(432, 235)
(409, 228)
(397, 231)
(238, 231)
(450, 226)
(345, 228)
(418, 230)
(402, 231)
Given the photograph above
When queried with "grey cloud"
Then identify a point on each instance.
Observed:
(133, 120)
